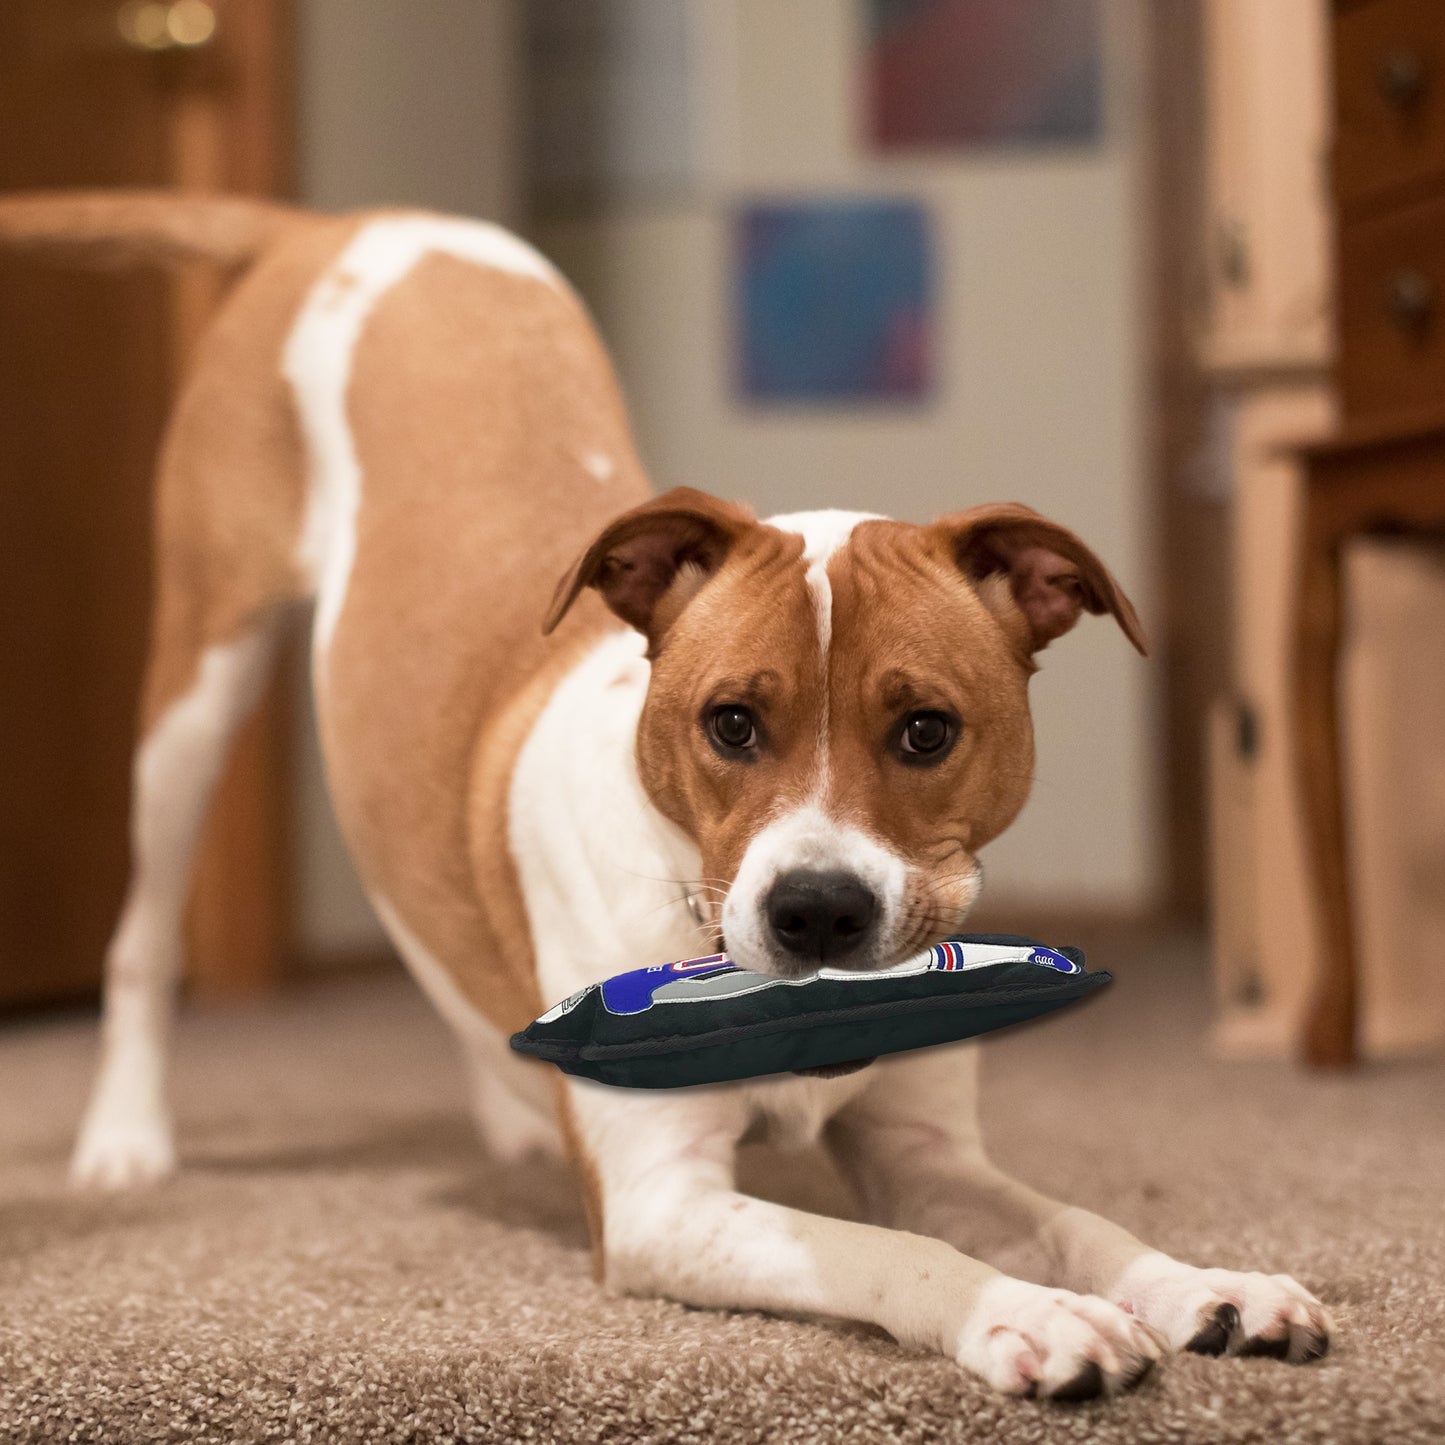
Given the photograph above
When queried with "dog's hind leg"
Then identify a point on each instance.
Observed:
(126, 1136)
(230, 514)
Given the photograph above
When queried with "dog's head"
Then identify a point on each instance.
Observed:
(838, 706)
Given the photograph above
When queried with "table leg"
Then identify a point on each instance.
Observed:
(1329, 1039)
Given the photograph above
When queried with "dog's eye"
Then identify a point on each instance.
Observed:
(733, 727)
(926, 736)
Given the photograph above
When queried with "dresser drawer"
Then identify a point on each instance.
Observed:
(1392, 312)
(1389, 63)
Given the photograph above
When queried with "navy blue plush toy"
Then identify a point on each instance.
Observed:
(705, 1020)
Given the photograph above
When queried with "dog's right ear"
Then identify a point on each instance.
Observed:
(649, 562)
(1051, 575)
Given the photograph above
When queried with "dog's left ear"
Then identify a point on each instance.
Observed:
(649, 562)
(1052, 576)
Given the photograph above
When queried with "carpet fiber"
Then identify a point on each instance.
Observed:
(338, 1260)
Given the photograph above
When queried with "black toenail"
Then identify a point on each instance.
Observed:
(1270, 1349)
(1213, 1339)
(1316, 1348)
(1141, 1374)
(1086, 1385)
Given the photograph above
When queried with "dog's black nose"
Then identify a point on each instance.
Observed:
(820, 916)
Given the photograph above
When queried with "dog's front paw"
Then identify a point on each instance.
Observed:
(1024, 1339)
(1225, 1311)
(115, 1154)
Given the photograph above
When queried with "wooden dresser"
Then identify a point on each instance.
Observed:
(1383, 472)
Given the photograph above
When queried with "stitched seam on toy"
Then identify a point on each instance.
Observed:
(675, 1043)
(552, 1051)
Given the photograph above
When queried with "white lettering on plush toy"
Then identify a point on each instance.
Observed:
(317, 364)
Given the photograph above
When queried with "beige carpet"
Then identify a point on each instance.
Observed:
(339, 1262)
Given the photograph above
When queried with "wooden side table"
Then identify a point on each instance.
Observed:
(1364, 481)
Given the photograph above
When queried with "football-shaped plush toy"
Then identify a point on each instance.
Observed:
(706, 1021)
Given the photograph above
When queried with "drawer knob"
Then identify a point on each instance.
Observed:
(1402, 79)
(1411, 300)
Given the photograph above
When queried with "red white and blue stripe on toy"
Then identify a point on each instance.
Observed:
(950, 957)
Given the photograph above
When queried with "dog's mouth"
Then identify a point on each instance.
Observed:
(836, 1071)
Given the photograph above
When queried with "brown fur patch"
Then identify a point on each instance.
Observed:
(475, 396)
(910, 634)
(231, 490)
(750, 636)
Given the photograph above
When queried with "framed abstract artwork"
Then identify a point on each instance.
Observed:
(971, 73)
(833, 301)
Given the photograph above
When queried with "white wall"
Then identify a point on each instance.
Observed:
(1041, 368)
(409, 104)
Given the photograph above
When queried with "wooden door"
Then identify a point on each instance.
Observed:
(92, 93)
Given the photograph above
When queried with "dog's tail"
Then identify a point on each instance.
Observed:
(126, 228)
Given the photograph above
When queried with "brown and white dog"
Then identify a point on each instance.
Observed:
(795, 733)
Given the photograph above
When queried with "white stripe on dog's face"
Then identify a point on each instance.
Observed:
(823, 533)
(807, 839)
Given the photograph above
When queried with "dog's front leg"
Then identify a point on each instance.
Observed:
(673, 1223)
(911, 1147)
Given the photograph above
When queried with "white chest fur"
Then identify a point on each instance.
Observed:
(792, 1110)
(603, 873)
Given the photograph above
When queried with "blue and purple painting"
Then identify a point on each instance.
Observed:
(833, 301)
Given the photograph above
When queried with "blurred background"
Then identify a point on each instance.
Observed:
(1167, 272)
